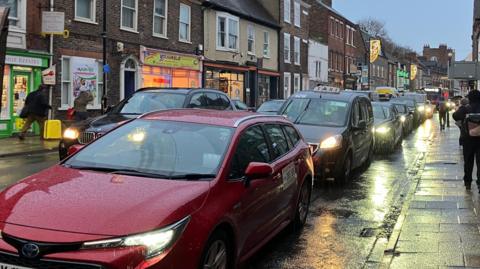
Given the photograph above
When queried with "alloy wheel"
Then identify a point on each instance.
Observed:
(304, 203)
(216, 257)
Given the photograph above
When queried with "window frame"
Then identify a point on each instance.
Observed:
(295, 77)
(289, 60)
(93, 7)
(266, 42)
(297, 13)
(274, 158)
(135, 18)
(165, 18)
(250, 27)
(287, 8)
(189, 29)
(289, 84)
(296, 54)
(227, 18)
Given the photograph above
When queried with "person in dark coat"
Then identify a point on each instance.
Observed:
(36, 105)
(471, 145)
(80, 105)
(463, 105)
(442, 112)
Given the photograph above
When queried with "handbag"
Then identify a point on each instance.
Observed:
(70, 113)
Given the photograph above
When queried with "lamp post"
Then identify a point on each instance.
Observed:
(450, 55)
(104, 62)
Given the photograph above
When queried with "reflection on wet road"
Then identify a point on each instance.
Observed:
(346, 221)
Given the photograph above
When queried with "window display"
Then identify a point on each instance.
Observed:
(230, 83)
(4, 113)
(170, 77)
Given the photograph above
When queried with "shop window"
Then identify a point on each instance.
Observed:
(266, 44)
(4, 113)
(296, 54)
(286, 85)
(184, 27)
(263, 89)
(129, 15)
(287, 5)
(160, 18)
(230, 83)
(286, 47)
(297, 14)
(227, 31)
(251, 39)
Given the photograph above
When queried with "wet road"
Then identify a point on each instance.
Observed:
(345, 222)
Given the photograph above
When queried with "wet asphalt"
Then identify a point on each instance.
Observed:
(345, 222)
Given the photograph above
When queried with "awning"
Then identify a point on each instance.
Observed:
(226, 66)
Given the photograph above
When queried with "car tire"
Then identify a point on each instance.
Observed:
(343, 176)
(303, 205)
(218, 252)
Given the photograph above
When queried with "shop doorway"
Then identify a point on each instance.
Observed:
(20, 90)
(129, 78)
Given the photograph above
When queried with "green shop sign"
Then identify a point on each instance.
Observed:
(403, 74)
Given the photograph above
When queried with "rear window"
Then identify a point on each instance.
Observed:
(272, 106)
(144, 102)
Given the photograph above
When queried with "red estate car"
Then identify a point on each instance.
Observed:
(174, 189)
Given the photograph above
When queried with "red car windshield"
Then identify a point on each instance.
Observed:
(166, 149)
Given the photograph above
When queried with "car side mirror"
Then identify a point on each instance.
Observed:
(257, 170)
(361, 125)
(109, 108)
(74, 148)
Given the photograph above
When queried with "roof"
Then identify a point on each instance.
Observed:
(476, 10)
(334, 11)
(177, 90)
(248, 9)
(210, 117)
(340, 96)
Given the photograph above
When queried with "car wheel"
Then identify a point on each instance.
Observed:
(217, 253)
(303, 205)
(344, 175)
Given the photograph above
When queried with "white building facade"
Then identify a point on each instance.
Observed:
(317, 64)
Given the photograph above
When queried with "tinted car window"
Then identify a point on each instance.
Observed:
(225, 102)
(198, 100)
(378, 112)
(165, 148)
(240, 105)
(364, 110)
(278, 140)
(143, 102)
(214, 101)
(401, 108)
(356, 114)
(292, 134)
(251, 147)
(270, 106)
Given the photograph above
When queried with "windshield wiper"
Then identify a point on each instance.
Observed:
(303, 112)
(193, 176)
(127, 172)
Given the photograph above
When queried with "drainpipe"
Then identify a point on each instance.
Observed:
(51, 113)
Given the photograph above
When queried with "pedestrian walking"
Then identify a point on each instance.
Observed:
(80, 105)
(35, 110)
(462, 107)
(471, 144)
(442, 112)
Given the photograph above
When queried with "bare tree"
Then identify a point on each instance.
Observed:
(374, 27)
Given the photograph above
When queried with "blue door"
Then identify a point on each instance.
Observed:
(129, 83)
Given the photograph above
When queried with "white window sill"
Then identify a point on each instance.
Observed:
(160, 36)
(85, 21)
(227, 50)
(251, 54)
(129, 30)
(266, 56)
(287, 62)
(15, 29)
(185, 41)
(298, 26)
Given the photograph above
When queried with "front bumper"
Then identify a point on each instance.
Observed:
(328, 163)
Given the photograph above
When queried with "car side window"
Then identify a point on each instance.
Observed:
(225, 102)
(292, 134)
(364, 110)
(278, 141)
(252, 147)
(355, 114)
(197, 101)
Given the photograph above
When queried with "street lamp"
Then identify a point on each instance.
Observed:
(450, 55)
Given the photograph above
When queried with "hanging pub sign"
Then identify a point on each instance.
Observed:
(413, 71)
(375, 49)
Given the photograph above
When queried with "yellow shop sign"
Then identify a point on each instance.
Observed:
(169, 59)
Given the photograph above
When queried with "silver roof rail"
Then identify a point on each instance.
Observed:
(251, 117)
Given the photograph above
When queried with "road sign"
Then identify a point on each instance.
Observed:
(53, 22)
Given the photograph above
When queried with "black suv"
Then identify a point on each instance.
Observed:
(143, 101)
(338, 126)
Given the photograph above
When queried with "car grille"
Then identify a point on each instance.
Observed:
(87, 137)
(44, 264)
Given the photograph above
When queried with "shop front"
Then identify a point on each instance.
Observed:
(22, 75)
(167, 69)
(267, 86)
(231, 80)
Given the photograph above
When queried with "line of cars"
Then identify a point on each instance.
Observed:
(169, 174)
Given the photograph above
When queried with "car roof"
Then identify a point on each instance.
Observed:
(212, 117)
(389, 104)
(339, 96)
(178, 90)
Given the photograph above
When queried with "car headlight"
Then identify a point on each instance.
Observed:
(429, 110)
(155, 243)
(421, 108)
(332, 142)
(382, 130)
(70, 133)
(403, 118)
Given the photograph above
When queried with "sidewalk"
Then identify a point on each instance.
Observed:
(12, 146)
(439, 225)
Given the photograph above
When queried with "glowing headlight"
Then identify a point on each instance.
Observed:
(429, 110)
(331, 142)
(70, 133)
(403, 118)
(382, 130)
(154, 242)
(421, 108)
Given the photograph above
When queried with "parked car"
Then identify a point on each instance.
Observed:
(270, 107)
(338, 127)
(388, 127)
(406, 116)
(417, 110)
(143, 101)
(171, 189)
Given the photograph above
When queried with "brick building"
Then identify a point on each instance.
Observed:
(27, 56)
(148, 45)
(443, 54)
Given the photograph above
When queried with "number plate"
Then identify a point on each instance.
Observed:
(10, 266)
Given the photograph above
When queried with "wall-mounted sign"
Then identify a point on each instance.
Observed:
(375, 49)
(53, 22)
(48, 76)
(413, 71)
(168, 59)
(22, 60)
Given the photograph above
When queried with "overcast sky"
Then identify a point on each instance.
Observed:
(415, 23)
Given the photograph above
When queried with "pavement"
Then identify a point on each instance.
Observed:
(439, 223)
(12, 146)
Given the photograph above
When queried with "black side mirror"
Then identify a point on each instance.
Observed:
(362, 125)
